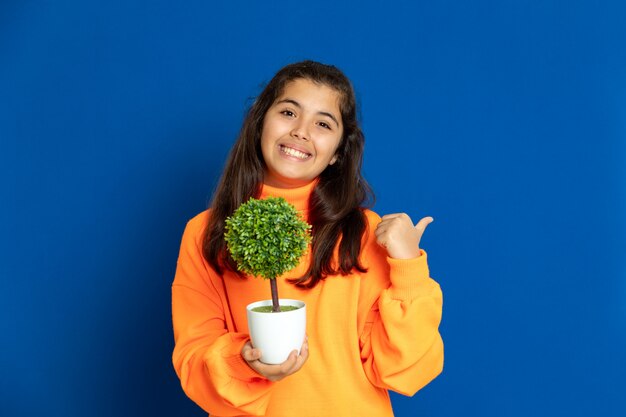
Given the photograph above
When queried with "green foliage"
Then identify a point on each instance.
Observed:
(266, 238)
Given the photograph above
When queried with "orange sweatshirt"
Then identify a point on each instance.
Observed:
(368, 332)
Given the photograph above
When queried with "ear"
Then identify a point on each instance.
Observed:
(332, 161)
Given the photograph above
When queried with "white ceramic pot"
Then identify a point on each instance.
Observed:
(277, 334)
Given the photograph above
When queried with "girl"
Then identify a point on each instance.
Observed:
(373, 311)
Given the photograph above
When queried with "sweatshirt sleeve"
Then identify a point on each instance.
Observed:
(401, 348)
(206, 355)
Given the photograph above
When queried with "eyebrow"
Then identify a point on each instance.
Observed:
(323, 113)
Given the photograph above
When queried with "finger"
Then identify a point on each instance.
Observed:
(300, 359)
(382, 237)
(289, 366)
(249, 353)
(245, 350)
(421, 225)
(271, 372)
(250, 356)
(395, 219)
(393, 216)
(382, 228)
(304, 353)
(292, 364)
(297, 366)
(386, 224)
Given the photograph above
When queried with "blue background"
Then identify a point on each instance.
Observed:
(505, 120)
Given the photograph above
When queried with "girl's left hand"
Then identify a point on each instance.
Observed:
(399, 236)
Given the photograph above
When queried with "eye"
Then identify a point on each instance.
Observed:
(287, 113)
(325, 125)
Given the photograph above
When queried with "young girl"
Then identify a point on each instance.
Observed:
(372, 310)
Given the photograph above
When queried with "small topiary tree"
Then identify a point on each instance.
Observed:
(267, 238)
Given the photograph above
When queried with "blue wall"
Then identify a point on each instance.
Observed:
(505, 120)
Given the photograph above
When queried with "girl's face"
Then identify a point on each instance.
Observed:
(301, 133)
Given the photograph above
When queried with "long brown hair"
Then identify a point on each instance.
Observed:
(336, 204)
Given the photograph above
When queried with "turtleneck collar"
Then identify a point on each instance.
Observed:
(299, 197)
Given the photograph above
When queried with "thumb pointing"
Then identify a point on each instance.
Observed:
(421, 225)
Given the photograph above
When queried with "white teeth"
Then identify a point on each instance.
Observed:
(294, 152)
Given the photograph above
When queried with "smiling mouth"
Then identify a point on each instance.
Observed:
(294, 152)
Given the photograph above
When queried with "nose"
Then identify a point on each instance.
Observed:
(300, 131)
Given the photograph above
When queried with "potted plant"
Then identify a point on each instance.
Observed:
(267, 238)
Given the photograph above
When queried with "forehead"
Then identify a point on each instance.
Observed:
(318, 96)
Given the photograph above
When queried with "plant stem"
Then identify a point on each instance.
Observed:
(275, 305)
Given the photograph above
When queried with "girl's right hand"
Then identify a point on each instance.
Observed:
(275, 372)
